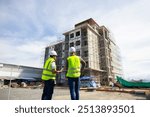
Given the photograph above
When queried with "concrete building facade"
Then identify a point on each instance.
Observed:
(95, 45)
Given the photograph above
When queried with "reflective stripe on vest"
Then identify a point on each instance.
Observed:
(73, 67)
(47, 70)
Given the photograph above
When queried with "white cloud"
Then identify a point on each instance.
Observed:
(28, 52)
(29, 25)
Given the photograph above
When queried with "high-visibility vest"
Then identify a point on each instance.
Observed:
(73, 66)
(47, 71)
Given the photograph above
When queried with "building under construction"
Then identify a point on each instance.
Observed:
(95, 45)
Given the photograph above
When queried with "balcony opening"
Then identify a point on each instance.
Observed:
(77, 43)
(72, 44)
(72, 35)
(78, 53)
(77, 33)
(86, 53)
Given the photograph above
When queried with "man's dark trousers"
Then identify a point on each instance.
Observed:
(48, 89)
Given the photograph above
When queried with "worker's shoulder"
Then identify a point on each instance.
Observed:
(79, 57)
(75, 56)
(50, 60)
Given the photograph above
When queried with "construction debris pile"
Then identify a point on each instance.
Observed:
(15, 84)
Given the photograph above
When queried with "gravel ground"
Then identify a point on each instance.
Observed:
(63, 94)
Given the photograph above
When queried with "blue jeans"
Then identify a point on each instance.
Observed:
(74, 86)
(48, 89)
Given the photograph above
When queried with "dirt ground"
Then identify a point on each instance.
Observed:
(63, 94)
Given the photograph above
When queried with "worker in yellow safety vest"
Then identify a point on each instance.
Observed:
(49, 76)
(74, 70)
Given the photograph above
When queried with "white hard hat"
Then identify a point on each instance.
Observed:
(72, 49)
(53, 53)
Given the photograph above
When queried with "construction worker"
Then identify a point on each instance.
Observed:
(49, 76)
(73, 66)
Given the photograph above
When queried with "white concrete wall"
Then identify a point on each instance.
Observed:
(93, 53)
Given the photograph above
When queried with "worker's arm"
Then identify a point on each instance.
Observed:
(54, 71)
(83, 64)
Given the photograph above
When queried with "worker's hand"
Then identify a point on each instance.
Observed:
(58, 71)
(61, 69)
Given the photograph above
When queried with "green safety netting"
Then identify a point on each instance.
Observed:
(126, 83)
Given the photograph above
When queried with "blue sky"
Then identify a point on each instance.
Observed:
(27, 26)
